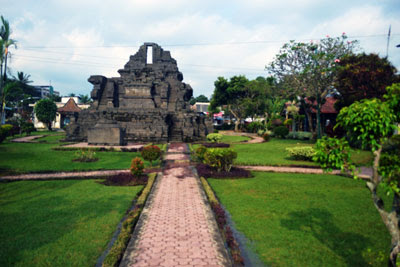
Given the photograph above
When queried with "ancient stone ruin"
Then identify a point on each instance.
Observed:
(148, 103)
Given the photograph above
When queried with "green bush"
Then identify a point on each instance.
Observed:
(214, 137)
(281, 131)
(266, 136)
(299, 135)
(199, 153)
(83, 155)
(137, 167)
(3, 135)
(301, 152)
(260, 132)
(333, 153)
(255, 126)
(151, 153)
(7, 128)
(27, 127)
(288, 122)
(220, 158)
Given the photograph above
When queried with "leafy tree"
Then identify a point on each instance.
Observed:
(200, 98)
(54, 98)
(308, 70)
(71, 95)
(5, 43)
(85, 99)
(371, 122)
(363, 76)
(46, 110)
(230, 93)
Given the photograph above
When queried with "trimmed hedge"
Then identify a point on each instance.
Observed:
(301, 152)
(116, 252)
(281, 131)
(225, 230)
(300, 135)
(214, 137)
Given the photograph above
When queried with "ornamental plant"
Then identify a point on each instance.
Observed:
(199, 153)
(220, 158)
(281, 131)
(371, 122)
(214, 137)
(151, 153)
(137, 167)
(301, 152)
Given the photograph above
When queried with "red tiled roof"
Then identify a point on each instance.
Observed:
(328, 106)
(70, 106)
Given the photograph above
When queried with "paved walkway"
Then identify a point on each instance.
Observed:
(176, 227)
(254, 137)
(26, 139)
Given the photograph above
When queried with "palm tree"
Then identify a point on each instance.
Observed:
(23, 78)
(85, 99)
(6, 43)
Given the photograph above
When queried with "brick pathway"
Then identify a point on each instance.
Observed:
(177, 227)
(26, 139)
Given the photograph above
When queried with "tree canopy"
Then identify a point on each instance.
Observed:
(200, 98)
(363, 76)
(46, 110)
(308, 70)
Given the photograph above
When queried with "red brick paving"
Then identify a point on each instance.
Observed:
(176, 227)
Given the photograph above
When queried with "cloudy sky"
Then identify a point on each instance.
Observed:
(63, 42)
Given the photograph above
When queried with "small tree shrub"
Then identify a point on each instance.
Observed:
(7, 128)
(255, 126)
(27, 127)
(199, 153)
(301, 152)
(333, 153)
(151, 153)
(220, 158)
(214, 137)
(83, 155)
(281, 131)
(266, 136)
(288, 122)
(299, 135)
(137, 167)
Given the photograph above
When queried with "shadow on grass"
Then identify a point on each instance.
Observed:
(349, 246)
(34, 222)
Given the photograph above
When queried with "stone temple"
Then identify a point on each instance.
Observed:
(148, 103)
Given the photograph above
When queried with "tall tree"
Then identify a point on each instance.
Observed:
(6, 43)
(46, 110)
(308, 69)
(200, 98)
(363, 76)
(230, 94)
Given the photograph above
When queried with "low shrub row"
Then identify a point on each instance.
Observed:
(116, 252)
(301, 152)
(225, 230)
(300, 135)
(206, 171)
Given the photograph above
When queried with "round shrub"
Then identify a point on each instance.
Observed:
(214, 137)
(276, 122)
(7, 128)
(199, 152)
(281, 131)
(288, 122)
(137, 167)
(220, 158)
(151, 153)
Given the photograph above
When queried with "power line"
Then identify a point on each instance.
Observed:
(200, 44)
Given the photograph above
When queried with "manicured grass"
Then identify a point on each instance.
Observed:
(269, 153)
(59, 223)
(40, 157)
(306, 220)
(274, 153)
(234, 139)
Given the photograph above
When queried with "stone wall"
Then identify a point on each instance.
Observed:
(148, 103)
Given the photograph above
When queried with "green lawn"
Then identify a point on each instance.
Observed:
(274, 153)
(229, 139)
(40, 157)
(306, 220)
(59, 223)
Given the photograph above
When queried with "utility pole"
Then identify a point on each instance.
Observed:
(388, 40)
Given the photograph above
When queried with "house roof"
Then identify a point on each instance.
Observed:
(70, 106)
(328, 106)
